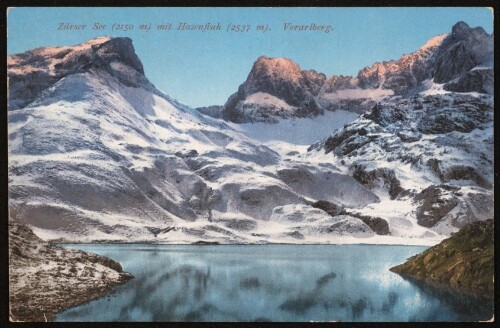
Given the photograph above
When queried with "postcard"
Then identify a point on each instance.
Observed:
(250, 164)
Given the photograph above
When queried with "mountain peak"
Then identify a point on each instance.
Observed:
(275, 60)
(276, 67)
(98, 40)
(124, 49)
(435, 41)
(275, 87)
(42, 67)
(58, 61)
(460, 27)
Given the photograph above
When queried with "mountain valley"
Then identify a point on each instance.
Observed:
(400, 154)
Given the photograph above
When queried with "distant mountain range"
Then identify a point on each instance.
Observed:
(98, 154)
(460, 61)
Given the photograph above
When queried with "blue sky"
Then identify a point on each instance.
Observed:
(205, 68)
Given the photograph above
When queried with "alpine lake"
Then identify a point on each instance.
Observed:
(281, 283)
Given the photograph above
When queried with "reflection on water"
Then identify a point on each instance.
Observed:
(271, 283)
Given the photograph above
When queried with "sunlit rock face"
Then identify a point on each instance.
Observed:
(275, 87)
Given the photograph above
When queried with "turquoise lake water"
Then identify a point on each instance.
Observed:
(291, 283)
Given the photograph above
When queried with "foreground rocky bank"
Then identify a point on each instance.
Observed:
(464, 262)
(45, 279)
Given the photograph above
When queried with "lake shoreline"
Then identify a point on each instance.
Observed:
(58, 302)
(464, 262)
(215, 243)
(46, 279)
(89, 295)
(448, 288)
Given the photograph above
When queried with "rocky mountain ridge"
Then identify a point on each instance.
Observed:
(434, 151)
(32, 72)
(460, 61)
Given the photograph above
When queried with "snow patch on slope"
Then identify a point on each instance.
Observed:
(297, 131)
(265, 99)
(372, 94)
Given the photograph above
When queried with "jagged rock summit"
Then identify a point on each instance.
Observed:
(459, 61)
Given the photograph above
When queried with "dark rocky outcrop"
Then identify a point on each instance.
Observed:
(384, 117)
(462, 115)
(452, 204)
(437, 201)
(383, 177)
(480, 80)
(409, 136)
(329, 207)
(464, 172)
(347, 142)
(464, 262)
(378, 225)
(214, 111)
